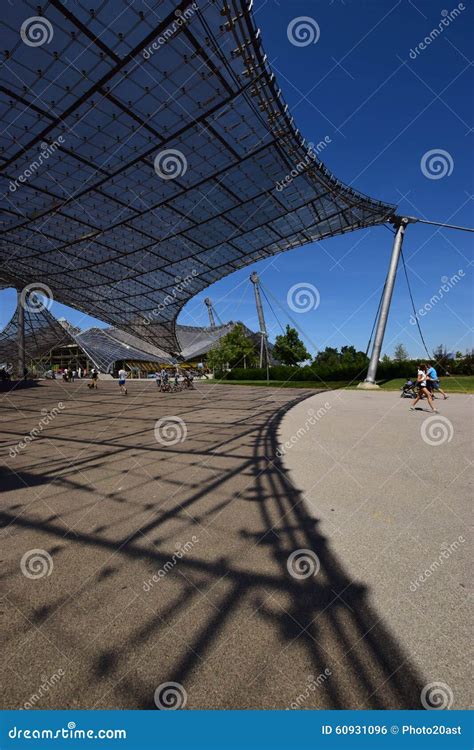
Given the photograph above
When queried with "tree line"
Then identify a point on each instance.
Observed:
(238, 352)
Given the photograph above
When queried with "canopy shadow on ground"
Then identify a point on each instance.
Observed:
(228, 621)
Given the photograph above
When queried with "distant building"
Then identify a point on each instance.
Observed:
(52, 344)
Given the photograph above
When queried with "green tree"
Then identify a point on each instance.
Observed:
(459, 355)
(289, 349)
(234, 349)
(400, 354)
(386, 359)
(329, 357)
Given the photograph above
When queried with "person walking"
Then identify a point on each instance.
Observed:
(422, 389)
(433, 382)
(122, 376)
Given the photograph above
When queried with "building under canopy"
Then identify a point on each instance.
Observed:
(51, 343)
(143, 156)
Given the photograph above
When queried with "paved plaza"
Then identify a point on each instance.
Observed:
(159, 538)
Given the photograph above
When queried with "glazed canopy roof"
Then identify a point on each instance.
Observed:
(143, 149)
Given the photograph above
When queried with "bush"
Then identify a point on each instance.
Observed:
(385, 371)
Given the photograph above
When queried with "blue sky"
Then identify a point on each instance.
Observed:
(383, 110)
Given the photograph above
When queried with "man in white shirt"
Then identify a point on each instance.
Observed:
(122, 375)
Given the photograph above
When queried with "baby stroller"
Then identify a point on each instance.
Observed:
(409, 389)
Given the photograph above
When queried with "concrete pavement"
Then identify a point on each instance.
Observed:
(158, 538)
(392, 492)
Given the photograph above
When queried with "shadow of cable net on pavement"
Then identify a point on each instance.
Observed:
(170, 564)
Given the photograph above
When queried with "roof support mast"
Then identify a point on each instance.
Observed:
(261, 322)
(369, 382)
(210, 310)
(400, 225)
(21, 334)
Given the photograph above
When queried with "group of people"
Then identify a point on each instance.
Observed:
(427, 382)
(163, 379)
(70, 374)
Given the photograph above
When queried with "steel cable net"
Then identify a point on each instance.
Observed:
(141, 154)
(42, 334)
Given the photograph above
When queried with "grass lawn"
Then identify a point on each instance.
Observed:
(453, 384)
